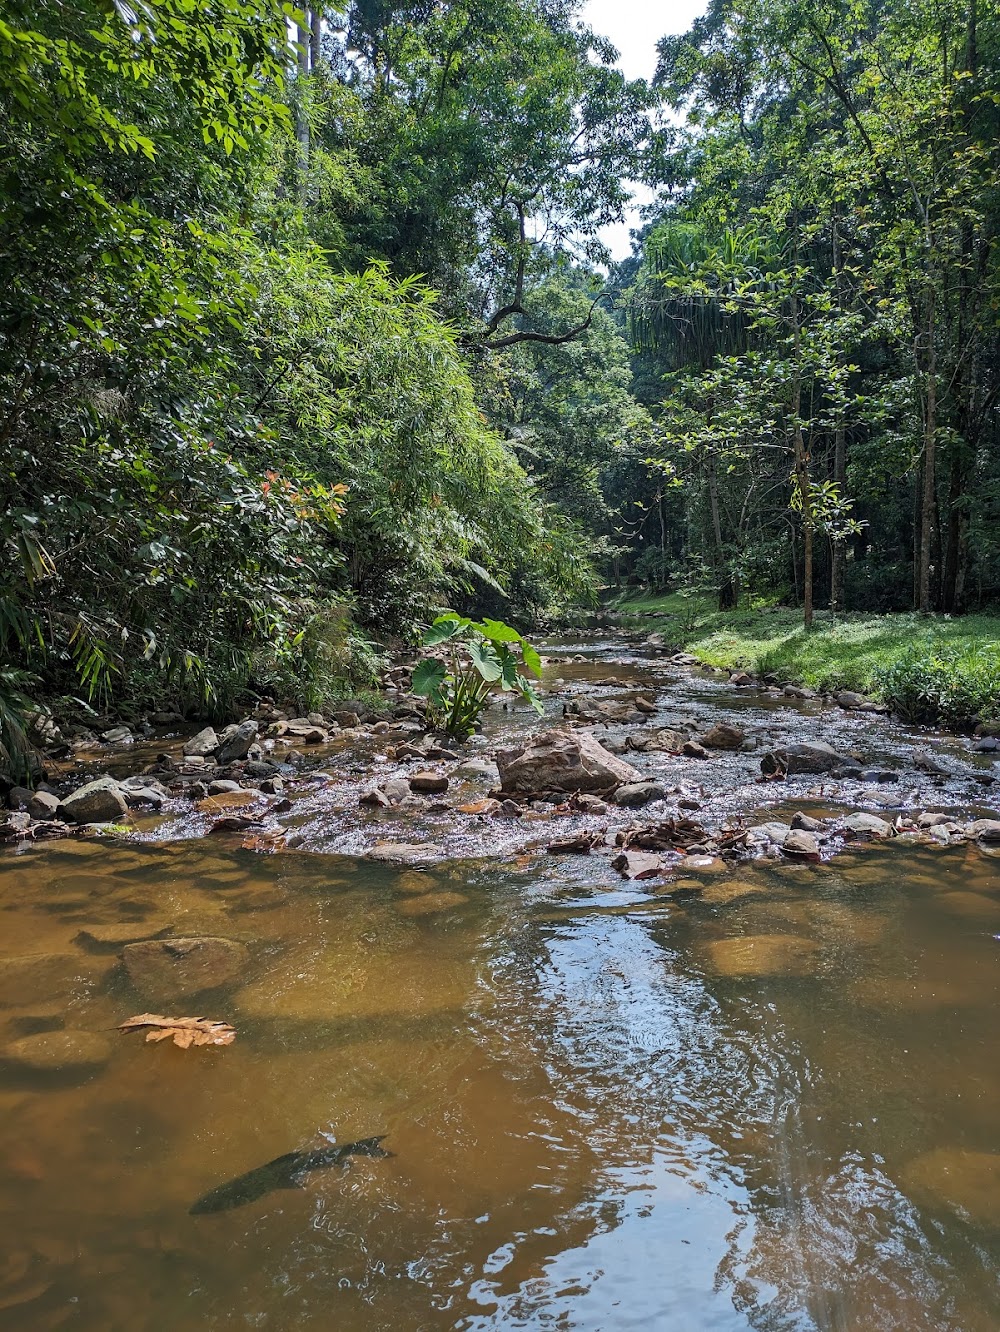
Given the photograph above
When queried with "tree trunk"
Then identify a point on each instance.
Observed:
(927, 503)
(802, 482)
(838, 549)
(303, 37)
(316, 38)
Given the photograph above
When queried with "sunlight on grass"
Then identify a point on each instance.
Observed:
(928, 667)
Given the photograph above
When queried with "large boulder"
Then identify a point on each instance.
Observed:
(172, 968)
(560, 760)
(235, 743)
(805, 756)
(201, 745)
(102, 801)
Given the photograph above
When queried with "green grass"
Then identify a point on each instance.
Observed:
(927, 668)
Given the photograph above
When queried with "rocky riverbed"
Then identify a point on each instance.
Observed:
(642, 757)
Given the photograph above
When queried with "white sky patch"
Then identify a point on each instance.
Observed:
(635, 26)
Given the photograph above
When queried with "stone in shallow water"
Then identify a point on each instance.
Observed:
(965, 1182)
(402, 853)
(58, 1052)
(110, 938)
(170, 968)
(429, 903)
(336, 986)
(976, 905)
(763, 955)
(38, 977)
(730, 890)
(920, 996)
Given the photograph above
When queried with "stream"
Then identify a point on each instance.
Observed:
(599, 1115)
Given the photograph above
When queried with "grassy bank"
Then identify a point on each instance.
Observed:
(925, 668)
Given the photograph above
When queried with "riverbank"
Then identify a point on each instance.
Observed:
(926, 668)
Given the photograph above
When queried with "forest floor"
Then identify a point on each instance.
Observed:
(853, 651)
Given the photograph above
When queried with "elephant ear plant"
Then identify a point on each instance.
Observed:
(481, 656)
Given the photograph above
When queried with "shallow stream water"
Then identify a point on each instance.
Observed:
(601, 1114)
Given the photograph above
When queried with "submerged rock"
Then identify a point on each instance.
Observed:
(58, 1052)
(763, 955)
(102, 801)
(559, 760)
(967, 1183)
(427, 904)
(175, 967)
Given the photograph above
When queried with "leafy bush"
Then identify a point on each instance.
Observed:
(941, 683)
(481, 656)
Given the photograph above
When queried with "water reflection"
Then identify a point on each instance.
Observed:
(599, 1119)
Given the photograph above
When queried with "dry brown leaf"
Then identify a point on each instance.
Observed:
(185, 1031)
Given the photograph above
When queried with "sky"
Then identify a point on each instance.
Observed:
(635, 26)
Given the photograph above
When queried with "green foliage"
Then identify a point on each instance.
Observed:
(481, 657)
(937, 682)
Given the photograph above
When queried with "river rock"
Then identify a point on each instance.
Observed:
(645, 705)
(633, 794)
(428, 904)
(19, 797)
(58, 1052)
(967, 1183)
(801, 843)
(798, 691)
(236, 741)
(203, 744)
(637, 865)
(172, 968)
(773, 832)
(847, 698)
(144, 791)
(723, 736)
(476, 768)
(43, 805)
(429, 783)
(804, 756)
(218, 804)
(15, 825)
(692, 749)
(375, 799)
(117, 735)
(223, 786)
(867, 825)
(29, 978)
(102, 801)
(559, 760)
(401, 853)
(984, 830)
(805, 823)
(763, 955)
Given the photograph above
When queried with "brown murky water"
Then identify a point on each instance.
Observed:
(774, 1106)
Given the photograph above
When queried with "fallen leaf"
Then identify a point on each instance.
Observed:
(185, 1031)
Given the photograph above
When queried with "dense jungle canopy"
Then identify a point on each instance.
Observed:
(307, 329)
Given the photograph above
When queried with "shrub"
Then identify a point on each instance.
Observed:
(941, 683)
